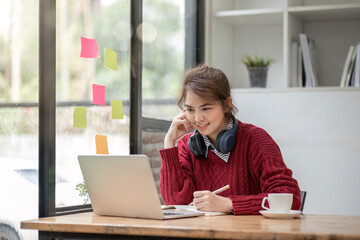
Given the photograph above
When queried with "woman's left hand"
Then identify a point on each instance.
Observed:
(210, 202)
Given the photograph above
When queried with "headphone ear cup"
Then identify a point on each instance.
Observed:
(191, 144)
(226, 142)
(201, 146)
(197, 145)
(218, 142)
(226, 139)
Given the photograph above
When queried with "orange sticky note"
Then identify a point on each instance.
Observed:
(89, 48)
(98, 94)
(101, 144)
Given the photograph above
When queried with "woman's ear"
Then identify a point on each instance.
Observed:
(228, 103)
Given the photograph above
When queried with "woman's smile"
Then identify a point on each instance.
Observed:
(202, 126)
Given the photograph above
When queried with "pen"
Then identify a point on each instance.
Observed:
(217, 191)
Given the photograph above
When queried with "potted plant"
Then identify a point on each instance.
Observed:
(258, 67)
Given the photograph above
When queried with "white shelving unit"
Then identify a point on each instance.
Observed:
(267, 27)
(317, 129)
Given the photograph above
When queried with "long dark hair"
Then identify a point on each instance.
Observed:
(209, 83)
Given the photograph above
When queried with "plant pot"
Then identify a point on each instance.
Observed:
(258, 76)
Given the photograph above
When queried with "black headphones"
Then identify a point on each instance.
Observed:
(225, 141)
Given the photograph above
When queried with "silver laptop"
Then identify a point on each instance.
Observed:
(124, 186)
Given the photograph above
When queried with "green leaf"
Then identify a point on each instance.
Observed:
(256, 61)
(83, 192)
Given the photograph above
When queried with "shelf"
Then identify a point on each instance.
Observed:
(275, 15)
(287, 90)
(251, 16)
(244, 29)
(327, 12)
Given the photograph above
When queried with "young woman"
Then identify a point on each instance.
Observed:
(221, 151)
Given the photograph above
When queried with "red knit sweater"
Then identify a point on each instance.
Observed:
(255, 168)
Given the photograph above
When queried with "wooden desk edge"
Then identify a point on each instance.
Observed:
(172, 231)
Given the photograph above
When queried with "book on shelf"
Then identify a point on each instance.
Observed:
(352, 80)
(351, 73)
(294, 64)
(306, 58)
(192, 209)
(300, 68)
(314, 62)
(310, 60)
(297, 66)
(356, 81)
(346, 66)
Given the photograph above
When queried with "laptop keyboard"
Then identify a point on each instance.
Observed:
(173, 213)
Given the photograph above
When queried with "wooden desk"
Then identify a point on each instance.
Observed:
(91, 226)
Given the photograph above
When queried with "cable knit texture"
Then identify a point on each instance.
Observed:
(255, 168)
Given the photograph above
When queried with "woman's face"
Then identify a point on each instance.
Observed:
(207, 116)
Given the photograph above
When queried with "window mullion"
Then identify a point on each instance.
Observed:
(47, 106)
(135, 78)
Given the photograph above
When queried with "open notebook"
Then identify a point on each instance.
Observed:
(124, 186)
(192, 209)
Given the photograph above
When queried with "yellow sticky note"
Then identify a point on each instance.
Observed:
(101, 144)
(117, 109)
(111, 59)
(79, 117)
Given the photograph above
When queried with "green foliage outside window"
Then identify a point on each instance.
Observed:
(81, 187)
(110, 25)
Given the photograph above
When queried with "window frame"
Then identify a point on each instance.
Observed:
(47, 93)
(47, 106)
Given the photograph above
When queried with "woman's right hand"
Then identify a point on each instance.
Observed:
(179, 126)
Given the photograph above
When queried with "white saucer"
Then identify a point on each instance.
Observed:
(290, 215)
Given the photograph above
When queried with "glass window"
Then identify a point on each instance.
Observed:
(19, 117)
(163, 37)
(107, 21)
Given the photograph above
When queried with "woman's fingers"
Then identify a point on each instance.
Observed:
(186, 124)
(198, 194)
(179, 126)
(181, 115)
(200, 198)
(209, 202)
(180, 119)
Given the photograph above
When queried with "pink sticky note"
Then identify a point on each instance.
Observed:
(89, 48)
(98, 94)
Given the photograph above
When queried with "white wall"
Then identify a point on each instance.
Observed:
(319, 135)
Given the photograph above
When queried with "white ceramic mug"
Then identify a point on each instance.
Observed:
(278, 202)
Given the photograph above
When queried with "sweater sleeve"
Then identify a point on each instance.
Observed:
(271, 173)
(176, 175)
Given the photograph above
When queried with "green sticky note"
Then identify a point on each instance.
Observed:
(117, 109)
(111, 59)
(80, 117)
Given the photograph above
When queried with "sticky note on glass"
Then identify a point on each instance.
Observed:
(98, 94)
(111, 59)
(89, 48)
(101, 144)
(117, 109)
(79, 117)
